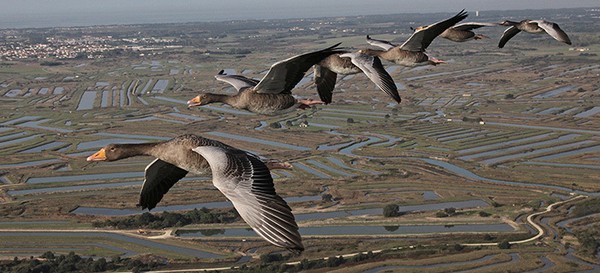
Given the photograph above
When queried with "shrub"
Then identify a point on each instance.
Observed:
(391, 210)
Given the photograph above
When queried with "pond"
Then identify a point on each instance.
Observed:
(208, 205)
(258, 140)
(355, 230)
(466, 173)
(87, 101)
(520, 147)
(536, 152)
(388, 268)
(117, 237)
(328, 168)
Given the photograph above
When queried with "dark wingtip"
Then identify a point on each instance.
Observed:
(222, 72)
(368, 37)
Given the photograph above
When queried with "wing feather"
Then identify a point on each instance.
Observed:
(246, 181)
(507, 35)
(372, 67)
(237, 81)
(421, 39)
(553, 30)
(159, 176)
(284, 75)
(325, 80)
(385, 45)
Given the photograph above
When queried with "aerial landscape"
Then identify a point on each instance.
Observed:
(486, 160)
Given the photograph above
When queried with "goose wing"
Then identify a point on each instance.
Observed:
(159, 177)
(507, 35)
(325, 80)
(553, 30)
(422, 38)
(284, 75)
(237, 81)
(472, 25)
(385, 45)
(246, 181)
(374, 70)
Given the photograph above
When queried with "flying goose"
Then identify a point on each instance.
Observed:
(412, 52)
(533, 26)
(325, 73)
(242, 177)
(272, 94)
(464, 32)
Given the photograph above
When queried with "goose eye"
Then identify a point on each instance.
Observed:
(112, 149)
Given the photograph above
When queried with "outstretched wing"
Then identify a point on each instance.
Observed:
(284, 75)
(159, 176)
(246, 181)
(375, 71)
(472, 25)
(385, 45)
(553, 30)
(507, 35)
(325, 80)
(422, 38)
(237, 81)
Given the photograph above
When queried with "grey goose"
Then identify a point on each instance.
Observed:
(533, 26)
(412, 51)
(242, 177)
(464, 31)
(272, 94)
(326, 71)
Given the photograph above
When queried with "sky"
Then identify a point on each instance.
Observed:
(50, 13)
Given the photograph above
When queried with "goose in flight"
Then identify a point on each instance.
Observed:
(272, 94)
(326, 71)
(242, 177)
(412, 52)
(463, 32)
(533, 26)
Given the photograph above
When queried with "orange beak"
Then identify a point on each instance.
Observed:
(194, 102)
(98, 156)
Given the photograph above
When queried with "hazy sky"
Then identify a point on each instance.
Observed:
(26, 13)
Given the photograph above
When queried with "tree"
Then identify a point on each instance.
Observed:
(484, 214)
(391, 210)
(504, 244)
(327, 197)
(268, 258)
(450, 211)
(49, 255)
(441, 214)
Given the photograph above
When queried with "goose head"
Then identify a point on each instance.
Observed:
(110, 152)
(508, 23)
(200, 100)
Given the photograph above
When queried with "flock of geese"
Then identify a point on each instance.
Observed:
(244, 178)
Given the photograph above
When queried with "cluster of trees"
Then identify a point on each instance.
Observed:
(170, 219)
(589, 240)
(51, 263)
(446, 212)
(392, 210)
(275, 263)
(587, 207)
